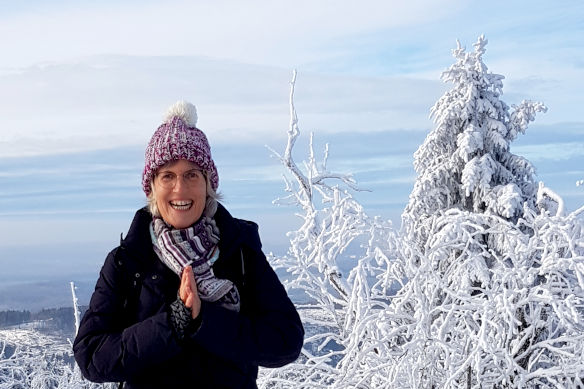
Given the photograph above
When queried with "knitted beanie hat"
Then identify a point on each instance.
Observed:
(178, 138)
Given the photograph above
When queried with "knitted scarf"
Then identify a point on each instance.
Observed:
(195, 246)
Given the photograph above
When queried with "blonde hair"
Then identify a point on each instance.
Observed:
(210, 202)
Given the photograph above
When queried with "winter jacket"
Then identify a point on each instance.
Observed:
(127, 335)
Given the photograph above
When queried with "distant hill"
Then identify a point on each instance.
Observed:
(48, 320)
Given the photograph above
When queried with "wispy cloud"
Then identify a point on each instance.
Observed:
(63, 108)
(255, 31)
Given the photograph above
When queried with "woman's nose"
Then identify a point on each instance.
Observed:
(178, 185)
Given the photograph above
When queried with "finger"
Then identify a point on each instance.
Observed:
(189, 301)
(185, 274)
(184, 287)
(191, 282)
(186, 282)
(183, 292)
(191, 285)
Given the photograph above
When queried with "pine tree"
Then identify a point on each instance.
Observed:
(465, 162)
(494, 294)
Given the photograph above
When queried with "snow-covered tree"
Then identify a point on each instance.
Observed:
(486, 304)
(335, 231)
(465, 162)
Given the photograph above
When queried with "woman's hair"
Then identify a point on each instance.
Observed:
(210, 203)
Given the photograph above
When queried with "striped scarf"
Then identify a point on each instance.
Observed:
(195, 246)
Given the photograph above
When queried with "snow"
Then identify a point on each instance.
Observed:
(31, 359)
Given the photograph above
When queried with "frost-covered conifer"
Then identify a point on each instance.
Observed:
(465, 162)
(495, 269)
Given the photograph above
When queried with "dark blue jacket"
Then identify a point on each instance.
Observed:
(126, 334)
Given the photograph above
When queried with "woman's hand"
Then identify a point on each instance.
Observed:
(188, 291)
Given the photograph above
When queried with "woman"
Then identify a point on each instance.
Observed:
(188, 299)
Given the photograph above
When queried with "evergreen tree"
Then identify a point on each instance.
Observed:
(465, 162)
(494, 294)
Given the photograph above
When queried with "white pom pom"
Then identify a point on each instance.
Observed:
(184, 110)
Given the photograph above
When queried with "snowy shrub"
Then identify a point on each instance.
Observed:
(470, 317)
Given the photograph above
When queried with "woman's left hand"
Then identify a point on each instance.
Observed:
(188, 291)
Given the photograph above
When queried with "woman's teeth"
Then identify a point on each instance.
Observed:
(181, 205)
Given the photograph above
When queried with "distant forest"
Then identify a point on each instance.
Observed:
(54, 319)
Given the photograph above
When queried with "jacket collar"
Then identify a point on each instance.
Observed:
(229, 231)
(137, 239)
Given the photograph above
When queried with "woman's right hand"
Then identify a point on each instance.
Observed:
(188, 291)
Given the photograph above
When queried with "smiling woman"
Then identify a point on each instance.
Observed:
(188, 299)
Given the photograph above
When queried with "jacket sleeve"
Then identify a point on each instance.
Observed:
(268, 332)
(106, 348)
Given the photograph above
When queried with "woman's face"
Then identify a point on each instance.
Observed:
(180, 190)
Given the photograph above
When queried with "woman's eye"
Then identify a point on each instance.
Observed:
(167, 177)
(191, 176)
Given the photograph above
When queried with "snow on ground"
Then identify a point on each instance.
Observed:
(31, 359)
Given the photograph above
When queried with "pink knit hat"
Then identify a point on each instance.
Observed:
(178, 138)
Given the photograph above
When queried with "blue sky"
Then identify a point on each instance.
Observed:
(83, 85)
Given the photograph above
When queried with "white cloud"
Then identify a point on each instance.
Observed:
(105, 102)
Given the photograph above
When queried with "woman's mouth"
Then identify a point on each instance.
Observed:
(181, 205)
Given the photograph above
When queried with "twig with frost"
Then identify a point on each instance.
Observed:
(334, 225)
